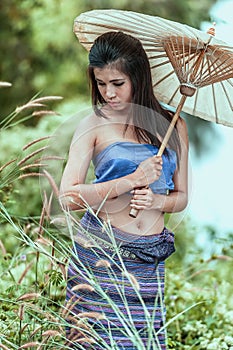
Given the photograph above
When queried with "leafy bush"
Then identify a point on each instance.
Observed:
(35, 252)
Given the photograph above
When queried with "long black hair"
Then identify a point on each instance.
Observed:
(126, 53)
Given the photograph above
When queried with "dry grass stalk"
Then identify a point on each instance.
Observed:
(56, 321)
(132, 279)
(63, 269)
(28, 106)
(41, 222)
(73, 320)
(87, 340)
(4, 347)
(29, 345)
(35, 141)
(34, 165)
(35, 331)
(23, 176)
(66, 308)
(21, 311)
(92, 314)
(103, 263)
(48, 204)
(32, 155)
(199, 272)
(84, 242)
(28, 267)
(44, 112)
(47, 335)
(52, 183)
(43, 241)
(69, 306)
(59, 220)
(5, 84)
(51, 333)
(83, 286)
(49, 158)
(28, 296)
(6, 164)
(48, 98)
(224, 257)
(24, 327)
(71, 340)
(2, 247)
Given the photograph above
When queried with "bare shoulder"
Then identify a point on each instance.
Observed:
(182, 129)
(86, 130)
(88, 122)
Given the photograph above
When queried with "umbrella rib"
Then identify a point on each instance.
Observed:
(175, 92)
(181, 54)
(195, 101)
(227, 95)
(221, 72)
(215, 104)
(163, 78)
(130, 18)
(160, 64)
(212, 72)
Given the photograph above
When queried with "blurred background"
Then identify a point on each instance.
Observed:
(40, 55)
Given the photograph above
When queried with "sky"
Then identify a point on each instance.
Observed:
(211, 194)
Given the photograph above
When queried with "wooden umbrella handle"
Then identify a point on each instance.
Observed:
(134, 212)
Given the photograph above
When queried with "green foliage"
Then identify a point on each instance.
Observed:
(39, 51)
(32, 284)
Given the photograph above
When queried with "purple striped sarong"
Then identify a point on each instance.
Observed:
(114, 300)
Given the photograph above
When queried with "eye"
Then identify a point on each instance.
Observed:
(119, 84)
(100, 83)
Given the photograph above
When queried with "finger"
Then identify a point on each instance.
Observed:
(138, 201)
(143, 191)
(158, 159)
(138, 207)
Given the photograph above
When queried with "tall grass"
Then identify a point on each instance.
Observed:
(33, 275)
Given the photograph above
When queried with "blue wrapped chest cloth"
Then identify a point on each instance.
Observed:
(122, 158)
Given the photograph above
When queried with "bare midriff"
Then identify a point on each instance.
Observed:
(147, 222)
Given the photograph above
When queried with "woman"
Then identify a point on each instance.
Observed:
(122, 278)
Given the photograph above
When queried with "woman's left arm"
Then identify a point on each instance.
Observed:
(177, 200)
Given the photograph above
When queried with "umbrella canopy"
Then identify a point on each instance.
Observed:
(184, 61)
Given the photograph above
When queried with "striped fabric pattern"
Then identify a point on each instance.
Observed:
(121, 297)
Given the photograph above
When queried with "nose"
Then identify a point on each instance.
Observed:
(110, 91)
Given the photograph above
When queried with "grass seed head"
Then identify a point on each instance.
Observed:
(87, 340)
(28, 296)
(103, 263)
(83, 286)
(92, 314)
(4, 347)
(132, 279)
(50, 333)
(29, 345)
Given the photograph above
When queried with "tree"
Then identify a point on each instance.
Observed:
(39, 52)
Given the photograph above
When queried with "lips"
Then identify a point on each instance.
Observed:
(113, 104)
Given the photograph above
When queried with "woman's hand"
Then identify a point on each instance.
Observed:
(148, 171)
(143, 198)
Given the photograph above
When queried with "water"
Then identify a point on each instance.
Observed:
(212, 176)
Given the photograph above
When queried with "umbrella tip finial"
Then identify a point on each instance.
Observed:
(211, 30)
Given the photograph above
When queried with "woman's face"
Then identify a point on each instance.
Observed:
(114, 86)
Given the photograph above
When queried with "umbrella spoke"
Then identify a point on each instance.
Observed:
(215, 104)
(227, 94)
(179, 55)
(163, 78)
(173, 96)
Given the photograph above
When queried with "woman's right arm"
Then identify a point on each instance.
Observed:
(75, 194)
